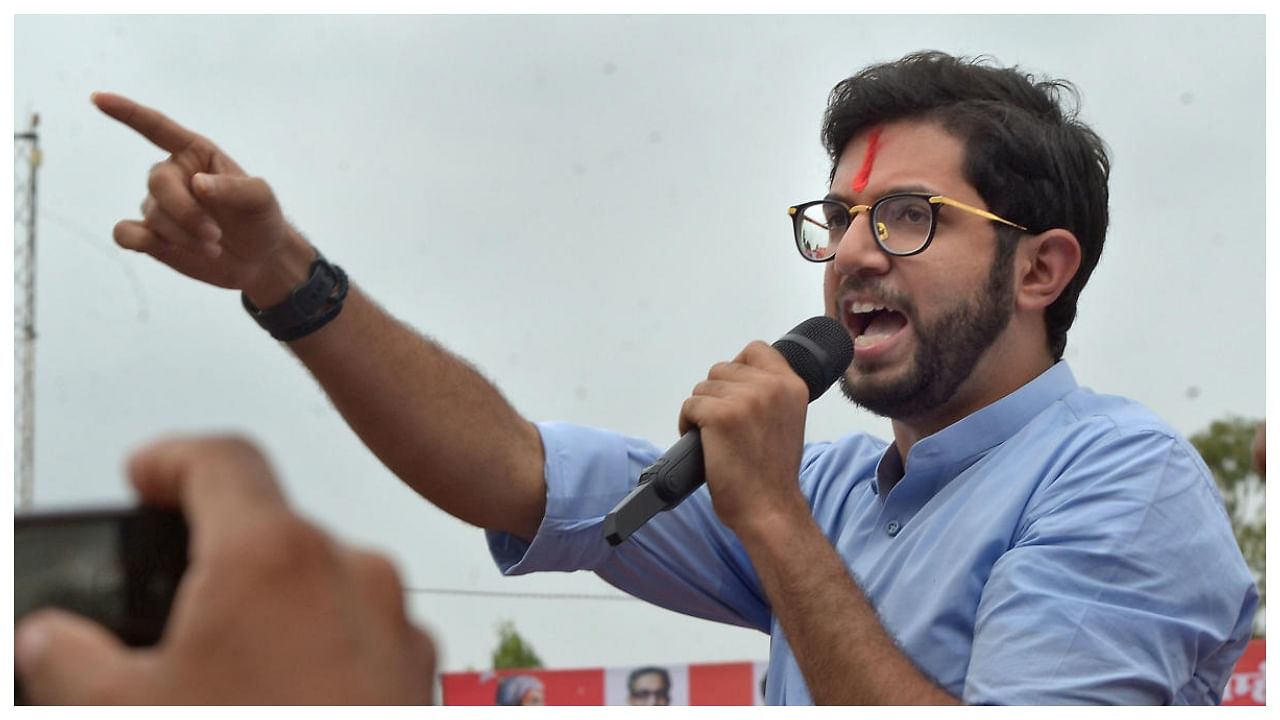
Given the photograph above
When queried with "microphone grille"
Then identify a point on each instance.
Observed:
(819, 351)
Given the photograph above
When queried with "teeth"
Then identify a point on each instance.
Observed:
(865, 307)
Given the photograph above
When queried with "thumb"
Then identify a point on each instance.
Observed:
(65, 659)
(247, 195)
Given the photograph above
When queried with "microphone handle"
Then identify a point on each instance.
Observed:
(817, 350)
(662, 486)
(679, 471)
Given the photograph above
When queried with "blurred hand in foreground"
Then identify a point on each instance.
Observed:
(271, 610)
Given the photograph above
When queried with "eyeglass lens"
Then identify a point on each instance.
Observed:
(902, 224)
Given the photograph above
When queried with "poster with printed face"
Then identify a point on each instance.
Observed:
(647, 685)
(524, 687)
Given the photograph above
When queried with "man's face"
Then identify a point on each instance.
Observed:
(535, 696)
(946, 306)
(649, 689)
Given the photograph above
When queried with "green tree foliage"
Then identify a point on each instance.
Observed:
(512, 651)
(1225, 447)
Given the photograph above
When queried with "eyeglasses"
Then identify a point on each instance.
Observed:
(644, 694)
(903, 223)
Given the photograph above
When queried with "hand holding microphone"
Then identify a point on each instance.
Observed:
(741, 420)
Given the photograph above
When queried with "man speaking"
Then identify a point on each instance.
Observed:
(1019, 539)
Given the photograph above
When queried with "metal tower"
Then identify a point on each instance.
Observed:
(26, 161)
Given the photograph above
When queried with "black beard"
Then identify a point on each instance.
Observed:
(946, 353)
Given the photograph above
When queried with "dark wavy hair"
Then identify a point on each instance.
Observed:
(1026, 152)
(650, 670)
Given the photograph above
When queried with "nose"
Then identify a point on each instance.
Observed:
(858, 254)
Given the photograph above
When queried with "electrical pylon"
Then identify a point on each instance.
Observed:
(26, 162)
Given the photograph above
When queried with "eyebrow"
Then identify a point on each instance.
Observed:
(889, 191)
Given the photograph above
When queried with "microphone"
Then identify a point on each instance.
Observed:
(818, 350)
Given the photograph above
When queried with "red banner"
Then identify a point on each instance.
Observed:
(1248, 684)
(558, 687)
(740, 683)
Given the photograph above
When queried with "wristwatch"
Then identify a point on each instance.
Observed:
(309, 307)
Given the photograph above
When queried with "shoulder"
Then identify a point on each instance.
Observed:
(1122, 433)
(1115, 453)
(1120, 413)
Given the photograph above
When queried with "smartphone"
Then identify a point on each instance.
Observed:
(117, 566)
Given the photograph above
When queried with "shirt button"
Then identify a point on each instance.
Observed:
(892, 528)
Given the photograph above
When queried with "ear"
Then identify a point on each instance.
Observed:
(1046, 263)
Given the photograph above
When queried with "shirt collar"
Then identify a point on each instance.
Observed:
(978, 432)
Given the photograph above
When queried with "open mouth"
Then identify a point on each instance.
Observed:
(872, 323)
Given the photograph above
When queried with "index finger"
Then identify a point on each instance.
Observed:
(151, 124)
(223, 484)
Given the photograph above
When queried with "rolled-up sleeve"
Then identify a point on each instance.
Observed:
(683, 559)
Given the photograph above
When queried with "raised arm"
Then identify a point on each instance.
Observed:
(427, 414)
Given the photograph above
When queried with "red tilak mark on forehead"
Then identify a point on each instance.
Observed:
(864, 175)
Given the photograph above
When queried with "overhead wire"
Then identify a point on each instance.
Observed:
(517, 594)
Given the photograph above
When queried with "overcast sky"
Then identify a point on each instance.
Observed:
(592, 210)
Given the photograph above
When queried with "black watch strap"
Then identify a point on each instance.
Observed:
(309, 307)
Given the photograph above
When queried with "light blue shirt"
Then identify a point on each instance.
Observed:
(1055, 547)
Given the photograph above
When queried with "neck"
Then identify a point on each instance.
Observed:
(1005, 366)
